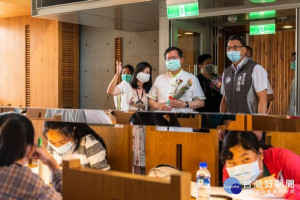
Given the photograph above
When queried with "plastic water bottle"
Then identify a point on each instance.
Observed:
(203, 182)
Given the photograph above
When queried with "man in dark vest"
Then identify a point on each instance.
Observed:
(244, 83)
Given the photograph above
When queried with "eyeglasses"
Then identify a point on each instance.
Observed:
(234, 47)
(172, 58)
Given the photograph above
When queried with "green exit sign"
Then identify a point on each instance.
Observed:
(262, 14)
(183, 10)
(263, 1)
(262, 29)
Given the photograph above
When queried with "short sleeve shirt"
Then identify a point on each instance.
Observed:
(165, 85)
(126, 93)
(259, 77)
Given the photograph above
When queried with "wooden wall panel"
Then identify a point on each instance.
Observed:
(273, 52)
(49, 55)
(12, 55)
(44, 63)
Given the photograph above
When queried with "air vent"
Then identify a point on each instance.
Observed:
(27, 65)
(69, 73)
(118, 52)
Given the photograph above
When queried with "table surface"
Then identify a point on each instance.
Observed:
(246, 194)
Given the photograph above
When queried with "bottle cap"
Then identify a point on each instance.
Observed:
(203, 164)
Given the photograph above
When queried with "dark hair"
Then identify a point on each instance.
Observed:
(203, 58)
(129, 67)
(140, 67)
(239, 38)
(67, 128)
(294, 53)
(16, 134)
(250, 49)
(248, 140)
(179, 51)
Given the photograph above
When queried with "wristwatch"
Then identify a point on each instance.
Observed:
(187, 104)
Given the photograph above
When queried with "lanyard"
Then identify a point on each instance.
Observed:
(139, 99)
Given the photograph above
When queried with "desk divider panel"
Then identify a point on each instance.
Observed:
(162, 148)
(287, 140)
(89, 184)
(118, 142)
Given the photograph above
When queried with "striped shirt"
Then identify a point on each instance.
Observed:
(19, 182)
(90, 152)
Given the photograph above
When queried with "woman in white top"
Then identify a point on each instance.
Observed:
(141, 84)
(121, 90)
(135, 93)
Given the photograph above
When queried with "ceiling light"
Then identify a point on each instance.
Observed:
(178, 35)
(287, 26)
(189, 33)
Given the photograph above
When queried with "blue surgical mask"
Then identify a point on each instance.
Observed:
(293, 65)
(61, 149)
(234, 56)
(126, 77)
(173, 65)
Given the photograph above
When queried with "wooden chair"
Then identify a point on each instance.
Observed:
(122, 117)
(6, 108)
(193, 122)
(89, 184)
(36, 113)
(183, 150)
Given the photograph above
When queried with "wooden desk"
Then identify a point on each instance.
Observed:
(89, 184)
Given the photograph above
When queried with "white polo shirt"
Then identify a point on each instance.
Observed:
(165, 85)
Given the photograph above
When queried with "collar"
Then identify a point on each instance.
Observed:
(244, 61)
(176, 75)
(19, 165)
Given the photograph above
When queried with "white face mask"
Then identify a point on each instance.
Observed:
(63, 148)
(245, 173)
(143, 77)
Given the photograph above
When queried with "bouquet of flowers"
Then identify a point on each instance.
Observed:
(178, 93)
(216, 84)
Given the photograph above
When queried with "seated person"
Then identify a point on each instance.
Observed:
(76, 141)
(247, 161)
(16, 148)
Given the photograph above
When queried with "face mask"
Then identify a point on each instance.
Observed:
(63, 148)
(249, 58)
(209, 69)
(245, 173)
(293, 65)
(143, 77)
(234, 56)
(126, 77)
(173, 65)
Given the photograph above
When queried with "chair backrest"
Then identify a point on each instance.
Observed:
(36, 113)
(193, 122)
(89, 184)
(122, 117)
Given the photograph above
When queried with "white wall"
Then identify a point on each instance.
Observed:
(97, 61)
